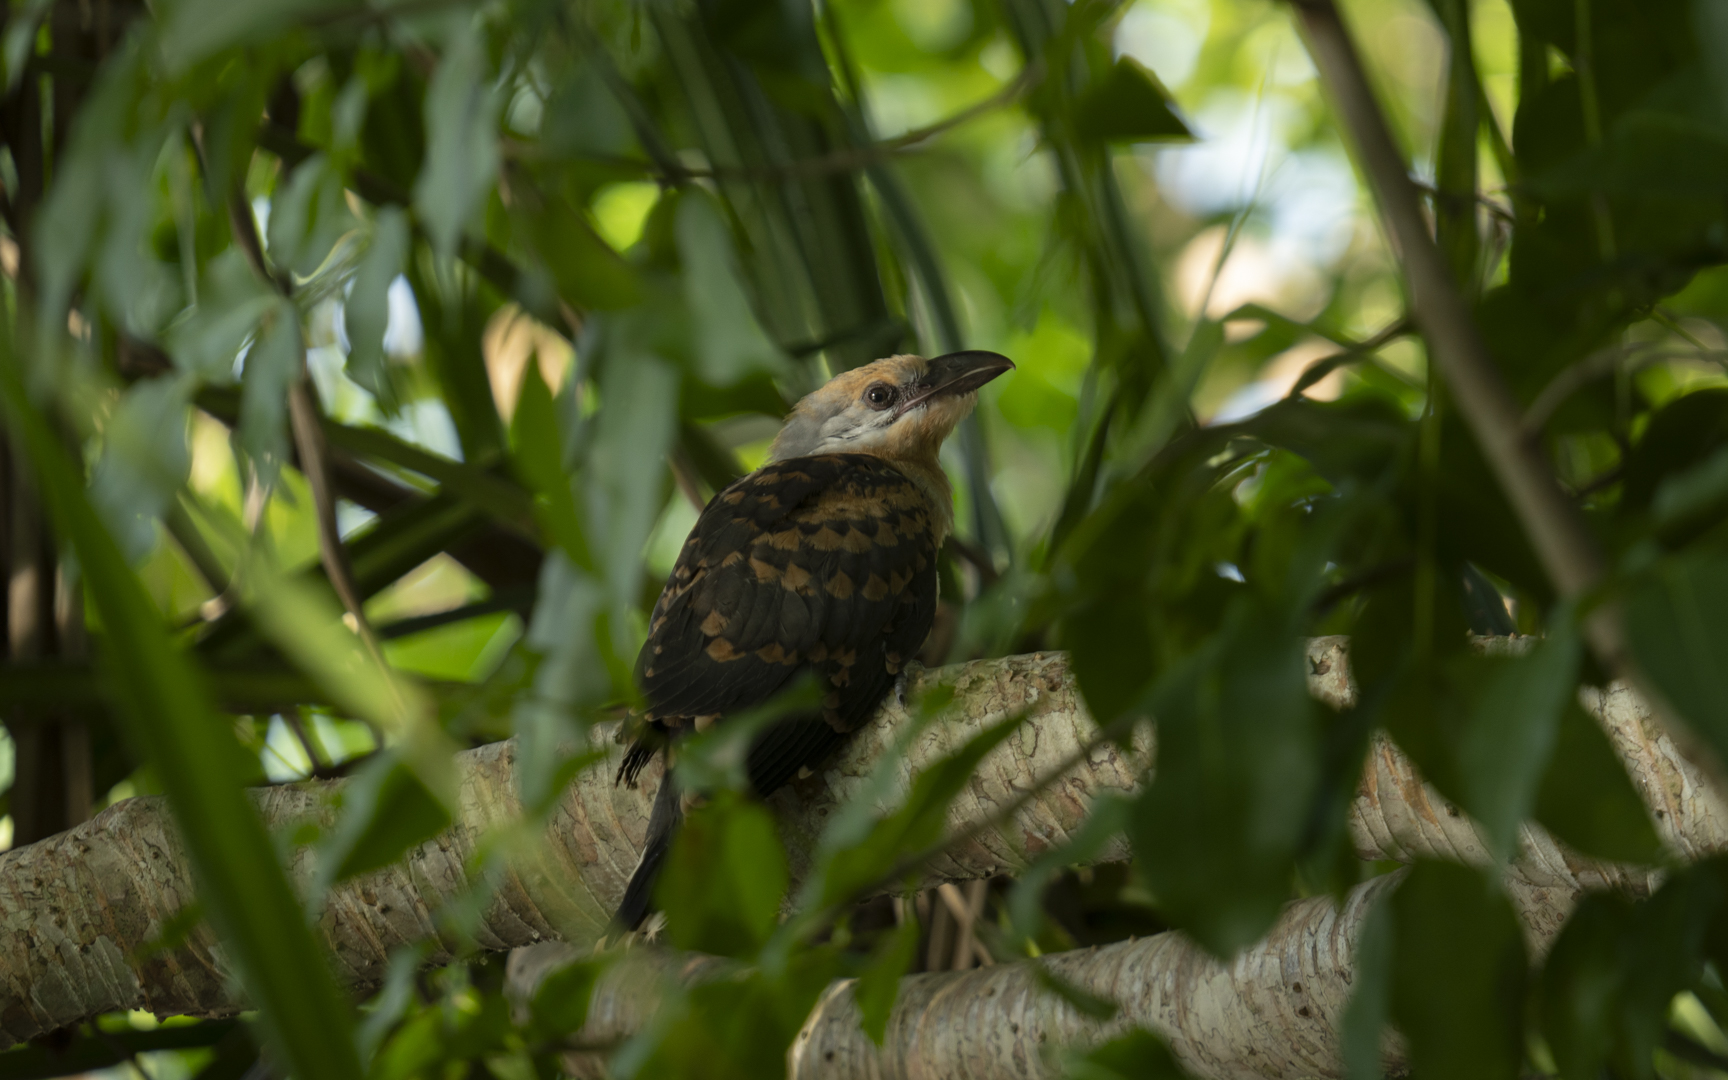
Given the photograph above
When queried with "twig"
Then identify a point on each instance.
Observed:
(305, 422)
(1569, 380)
(1367, 579)
(1553, 523)
(839, 161)
(1324, 366)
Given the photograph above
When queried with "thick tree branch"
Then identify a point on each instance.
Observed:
(86, 909)
(1274, 1011)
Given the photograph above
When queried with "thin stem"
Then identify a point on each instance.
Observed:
(1553, 523)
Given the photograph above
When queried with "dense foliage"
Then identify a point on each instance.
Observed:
(365, 364)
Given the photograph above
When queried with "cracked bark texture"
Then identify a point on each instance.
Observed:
(84, 910)
(1274, 1011)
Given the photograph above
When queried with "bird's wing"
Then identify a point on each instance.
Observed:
(824, 562)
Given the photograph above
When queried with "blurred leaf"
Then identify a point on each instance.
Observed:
(172, 724)
(851, 865)
(1506, 739)
(461, 137)
(20, 39)
(725, 879)
(1218, 833)
(1686, 500)
(386, 811)
(231, 301)
(560, 1005)
(729, 343)
(1677, 628)
(1078, 998)
(586, 272)
(273, 363)
(1364, 1023)
(1587, 800)
(308, 215)
(366, 312)
(1612, 975)
(145, 460)
(1138, 1055)
(878, 985)
(193, 29)
(539, 460)
(1458, 969)
(1128, 105)
(474, 482)
(625, 475)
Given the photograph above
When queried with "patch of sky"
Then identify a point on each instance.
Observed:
(1166, 37)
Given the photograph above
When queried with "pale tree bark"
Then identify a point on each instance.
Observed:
(80, 907)
(1274, 1011)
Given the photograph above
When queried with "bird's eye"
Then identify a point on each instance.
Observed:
(880, 396)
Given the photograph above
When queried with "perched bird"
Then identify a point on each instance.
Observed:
(821, 561)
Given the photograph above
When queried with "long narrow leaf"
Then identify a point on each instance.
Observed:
(172, 724)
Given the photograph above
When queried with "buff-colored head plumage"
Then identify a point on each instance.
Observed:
(900, 408)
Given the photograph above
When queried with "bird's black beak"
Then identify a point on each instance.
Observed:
(957, 373)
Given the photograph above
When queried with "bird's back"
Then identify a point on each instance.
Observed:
(824, 564)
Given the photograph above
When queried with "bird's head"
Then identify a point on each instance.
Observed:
(899, 408)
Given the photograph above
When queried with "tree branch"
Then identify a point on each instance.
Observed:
(1274, 1011)
(85, 909)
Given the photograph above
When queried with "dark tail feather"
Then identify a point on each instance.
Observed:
(663, 824)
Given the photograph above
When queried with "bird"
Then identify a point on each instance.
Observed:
(819, 564)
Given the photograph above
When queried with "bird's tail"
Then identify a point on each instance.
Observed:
(663, 822)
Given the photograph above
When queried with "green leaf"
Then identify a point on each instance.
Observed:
(1128, 105)
(461, 137)
(386, 810)
(878, 985)
(231, 300)
(1610, 980)
(586, 272)
(272, 365)
(1693, 498)
(366, 312)
(1370, 1007)
(1138, 1055)
(308, 216)
(560, 1005)
(193, 29)
(172, 725)
(1587, 800)
(729, 343)
(1077, 997)
(1458, 973)
(851, 864)
(725, 879)
(144, 462)
(538, 455)
(1677, 628)
(1218, 833)
(1506, 739)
